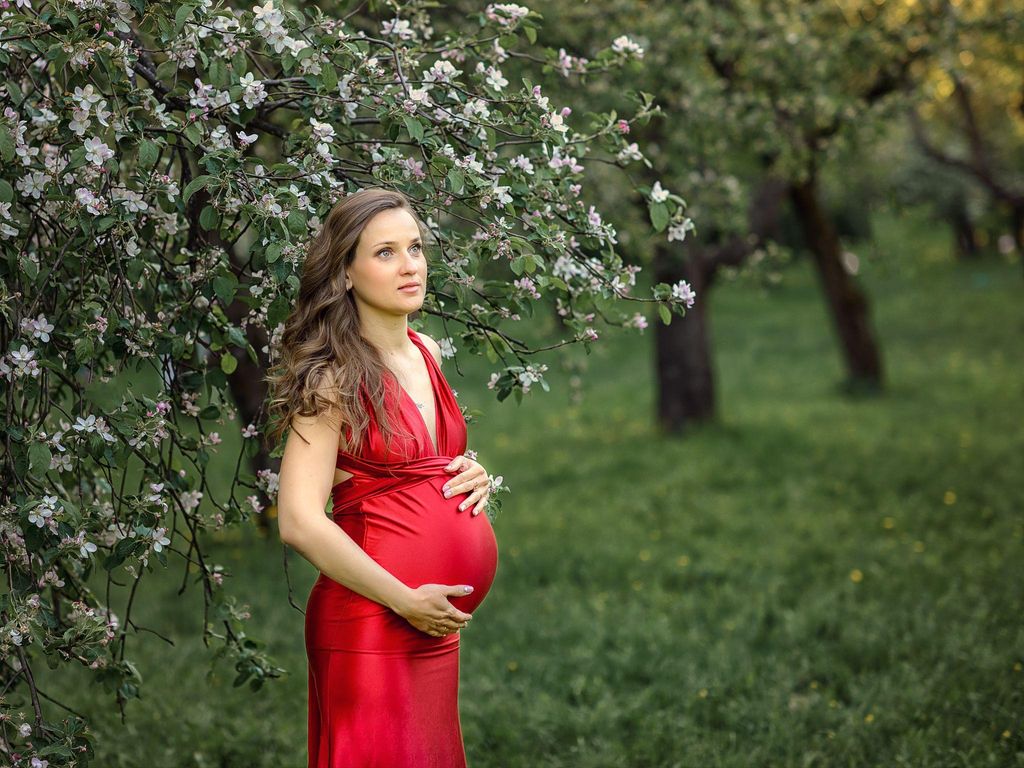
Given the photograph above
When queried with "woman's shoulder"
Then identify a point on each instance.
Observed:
(433, 346)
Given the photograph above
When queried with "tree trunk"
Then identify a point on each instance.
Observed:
(684, 373)
(1017, 222)
(846, 301)
(965, 238)
(248, 389)
(685, 379)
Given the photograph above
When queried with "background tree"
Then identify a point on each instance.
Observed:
(761, 98)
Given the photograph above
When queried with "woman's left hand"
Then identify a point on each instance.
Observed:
(472, 477)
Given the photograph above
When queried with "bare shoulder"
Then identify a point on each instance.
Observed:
(328, 417)
(433, 346)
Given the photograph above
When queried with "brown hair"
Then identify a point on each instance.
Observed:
(324, 360)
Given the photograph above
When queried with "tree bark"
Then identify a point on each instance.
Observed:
(683, 368)
(964, 236)
(685, 379)
(847, 303)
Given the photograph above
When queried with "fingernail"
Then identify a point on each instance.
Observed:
(445, 487)
(462, 505)
(469, 589)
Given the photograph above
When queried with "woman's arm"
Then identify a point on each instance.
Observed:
(307, 474)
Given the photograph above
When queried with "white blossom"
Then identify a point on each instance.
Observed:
(33, 184)
(623, 44)
(96, 151)
(632, 152)
(399, 28)
(6, 230)
(254, 92)
(682, 291)
(677, 230)
(40, 328)
(658, 194)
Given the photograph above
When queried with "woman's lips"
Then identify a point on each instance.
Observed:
(410, 289)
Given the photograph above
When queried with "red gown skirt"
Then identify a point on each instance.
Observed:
(382, 694)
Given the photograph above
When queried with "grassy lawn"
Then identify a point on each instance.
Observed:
(813, 581)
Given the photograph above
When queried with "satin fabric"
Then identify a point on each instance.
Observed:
(382, 694)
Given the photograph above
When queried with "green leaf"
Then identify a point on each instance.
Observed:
(6, 143)
(219, 73)
(84, 349)
(167, 70)
(228, 363)
(182, 16)
(666, 314)
(531, 34)
(209, 218)
(659, 216)
(194, 186)
(39, 460)
(148, 153)
(328, 77)
(278, 311)
(237, 336)
(297, 222)
(194, 134)
(6, 192)
(414, 127)
(273, 252)
(225, 286)
(456, 180)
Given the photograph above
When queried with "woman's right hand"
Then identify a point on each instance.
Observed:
(427, 608)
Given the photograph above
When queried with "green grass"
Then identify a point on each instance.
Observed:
(812, 581)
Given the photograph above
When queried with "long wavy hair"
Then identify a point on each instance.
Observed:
(324, 362)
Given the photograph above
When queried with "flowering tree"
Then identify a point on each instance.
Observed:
(164, 166)
(760, 98)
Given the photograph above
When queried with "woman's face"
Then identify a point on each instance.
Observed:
(389, 255)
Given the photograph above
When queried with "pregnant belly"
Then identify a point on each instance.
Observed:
(423, 538)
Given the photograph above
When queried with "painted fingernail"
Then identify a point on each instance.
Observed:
(462, 506)
(445, 487)
(448, 492)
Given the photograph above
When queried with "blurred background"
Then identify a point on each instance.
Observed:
(784, 530)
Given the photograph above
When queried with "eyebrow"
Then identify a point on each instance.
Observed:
(392, 242)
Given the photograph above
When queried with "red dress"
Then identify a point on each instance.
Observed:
(383, 694)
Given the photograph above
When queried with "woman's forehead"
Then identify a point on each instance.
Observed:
(390, 225)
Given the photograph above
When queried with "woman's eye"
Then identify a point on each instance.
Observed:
(418, 247)
(386, 250)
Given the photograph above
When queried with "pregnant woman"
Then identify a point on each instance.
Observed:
(406, 557)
